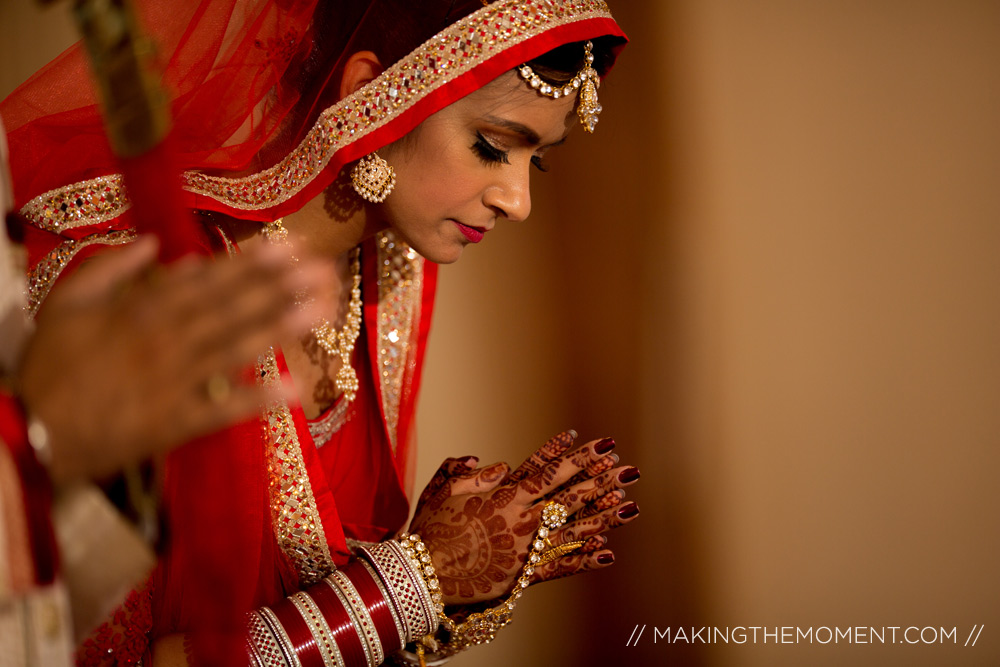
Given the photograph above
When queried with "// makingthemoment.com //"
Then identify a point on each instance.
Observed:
(854, 634)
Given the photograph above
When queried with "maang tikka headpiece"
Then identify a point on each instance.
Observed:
(586, 81)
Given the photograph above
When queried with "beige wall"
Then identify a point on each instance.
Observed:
(776, 281)
(772, 275)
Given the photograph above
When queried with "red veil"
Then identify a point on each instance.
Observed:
(258, 130)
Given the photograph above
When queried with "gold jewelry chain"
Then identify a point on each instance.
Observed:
(336, 343)
(481, 627)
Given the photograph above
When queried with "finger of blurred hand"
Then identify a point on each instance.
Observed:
(105, 274)
(204, 415)
(215, 316)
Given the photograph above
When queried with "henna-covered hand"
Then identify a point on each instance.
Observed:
(478, 524)
(450, 468)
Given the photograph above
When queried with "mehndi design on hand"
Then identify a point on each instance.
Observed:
(478, 523)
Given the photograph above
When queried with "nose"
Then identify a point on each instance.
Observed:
(510, 195)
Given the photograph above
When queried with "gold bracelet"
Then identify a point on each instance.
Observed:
(417, 550)
(482, 627)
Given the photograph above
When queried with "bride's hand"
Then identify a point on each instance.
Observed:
(478, 524)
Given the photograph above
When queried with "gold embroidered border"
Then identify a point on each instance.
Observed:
(297, 524)
(47, 271)
(454, 51)
(78, 205)
(400, 284)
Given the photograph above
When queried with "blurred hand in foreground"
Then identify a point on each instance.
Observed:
(129, 358)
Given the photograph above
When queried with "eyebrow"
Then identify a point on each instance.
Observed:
(529, 135)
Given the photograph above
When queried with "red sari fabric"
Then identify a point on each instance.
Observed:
(260, 128)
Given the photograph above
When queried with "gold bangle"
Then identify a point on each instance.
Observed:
(482, 627)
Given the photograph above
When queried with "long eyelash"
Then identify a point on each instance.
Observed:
(489, 153)
(539, 164)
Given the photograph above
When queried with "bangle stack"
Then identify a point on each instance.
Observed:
(356, 616)
(374, 606)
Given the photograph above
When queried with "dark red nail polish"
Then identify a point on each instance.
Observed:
(604, 446)
(628, 475)
(606, 559)
(628, 511)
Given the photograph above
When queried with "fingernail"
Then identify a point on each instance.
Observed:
(606, 559)
(628, 475)
(628, 511)
(604, 446)
(470, 461)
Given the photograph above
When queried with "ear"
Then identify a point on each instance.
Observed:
(359, 70)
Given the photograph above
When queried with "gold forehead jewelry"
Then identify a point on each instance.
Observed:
(586, 81)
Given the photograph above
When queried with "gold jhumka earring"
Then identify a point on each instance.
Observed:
(373, 178)
(586, 82)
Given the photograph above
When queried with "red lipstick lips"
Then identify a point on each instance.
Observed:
(474, 234)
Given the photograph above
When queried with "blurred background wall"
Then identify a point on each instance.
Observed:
(773, 276)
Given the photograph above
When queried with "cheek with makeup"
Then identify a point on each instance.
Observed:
(468, 167)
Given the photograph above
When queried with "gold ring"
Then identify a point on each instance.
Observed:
(218, 388)
(559, 551)
(554, 515)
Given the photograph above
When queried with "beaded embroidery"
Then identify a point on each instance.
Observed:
(44, 274)
(329, 424)
(400, 285)
(295, 515)
(78, 205)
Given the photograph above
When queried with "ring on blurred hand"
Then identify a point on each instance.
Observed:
(218, 388)
(559, 551)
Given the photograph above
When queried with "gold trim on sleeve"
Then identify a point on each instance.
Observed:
(400, 286)
(44, 274)
(295, 516)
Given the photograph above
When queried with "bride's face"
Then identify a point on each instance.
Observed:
(468, 166)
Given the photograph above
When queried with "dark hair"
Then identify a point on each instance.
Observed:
(562, 63)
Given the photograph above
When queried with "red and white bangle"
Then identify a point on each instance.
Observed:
(400, 575)
(355, 617)
(381, 606)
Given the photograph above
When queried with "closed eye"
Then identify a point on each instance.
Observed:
(488, 153)
(492, 155)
